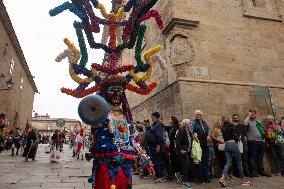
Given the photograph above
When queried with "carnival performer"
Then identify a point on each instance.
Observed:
(31, 146)
(80, 144)
(16, 138)
(55, 146)
(108, 112)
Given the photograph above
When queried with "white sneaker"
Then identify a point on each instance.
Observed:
(178, 177)
(245, 183)
(160, 180)
(186, 185)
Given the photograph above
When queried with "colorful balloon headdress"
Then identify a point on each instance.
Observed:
(132, 35)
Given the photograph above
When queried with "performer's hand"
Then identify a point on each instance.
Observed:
(182, 152)
(158, 148)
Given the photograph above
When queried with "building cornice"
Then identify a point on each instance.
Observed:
(179, 23)
(5, 19)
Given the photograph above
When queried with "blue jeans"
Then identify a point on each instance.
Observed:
(256, 154)
(277, 153)
(158, 160)
(203, 167)
(232, 150)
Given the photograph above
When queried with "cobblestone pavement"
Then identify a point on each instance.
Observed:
(71, 173)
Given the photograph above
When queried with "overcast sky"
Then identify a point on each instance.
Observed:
(41, 38)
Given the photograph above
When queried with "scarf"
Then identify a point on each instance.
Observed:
(260, 128)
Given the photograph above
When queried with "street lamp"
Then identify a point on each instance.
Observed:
(9, 83)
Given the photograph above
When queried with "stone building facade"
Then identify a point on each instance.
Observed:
(16, 103)
(222, 57)
(47, 125)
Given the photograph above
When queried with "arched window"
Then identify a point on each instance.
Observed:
(12, 66)
(22, 84)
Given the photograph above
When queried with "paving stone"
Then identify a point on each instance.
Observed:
(75, 179)
(58, 185)
(53, 179)
(38, 179)
(11, 179)
(25, 186)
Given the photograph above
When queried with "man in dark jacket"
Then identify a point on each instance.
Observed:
(155, 140)
(201, 130)
(182, 148)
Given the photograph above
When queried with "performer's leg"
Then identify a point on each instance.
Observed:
(103, 179)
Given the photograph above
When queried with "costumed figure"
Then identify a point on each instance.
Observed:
(80, 144)
(31, 147)
(108, 113)
(55, 147)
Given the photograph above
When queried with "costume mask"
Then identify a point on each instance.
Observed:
(114, 95)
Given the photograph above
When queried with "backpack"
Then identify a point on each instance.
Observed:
(167, 141)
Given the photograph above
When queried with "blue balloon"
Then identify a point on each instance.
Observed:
(90, 179)
(93, 110)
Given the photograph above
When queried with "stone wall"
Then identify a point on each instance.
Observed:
(231, 46)
(230, 41)
(217, 99)
(16, 103)
(167, 102)
(214, 98)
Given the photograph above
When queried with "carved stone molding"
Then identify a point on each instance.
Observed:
(179, 23)
(181, 51)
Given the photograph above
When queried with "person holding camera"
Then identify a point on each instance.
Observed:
(256, 144)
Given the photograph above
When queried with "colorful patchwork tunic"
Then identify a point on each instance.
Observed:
(114, 152)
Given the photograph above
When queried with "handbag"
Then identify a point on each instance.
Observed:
(241, 146)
